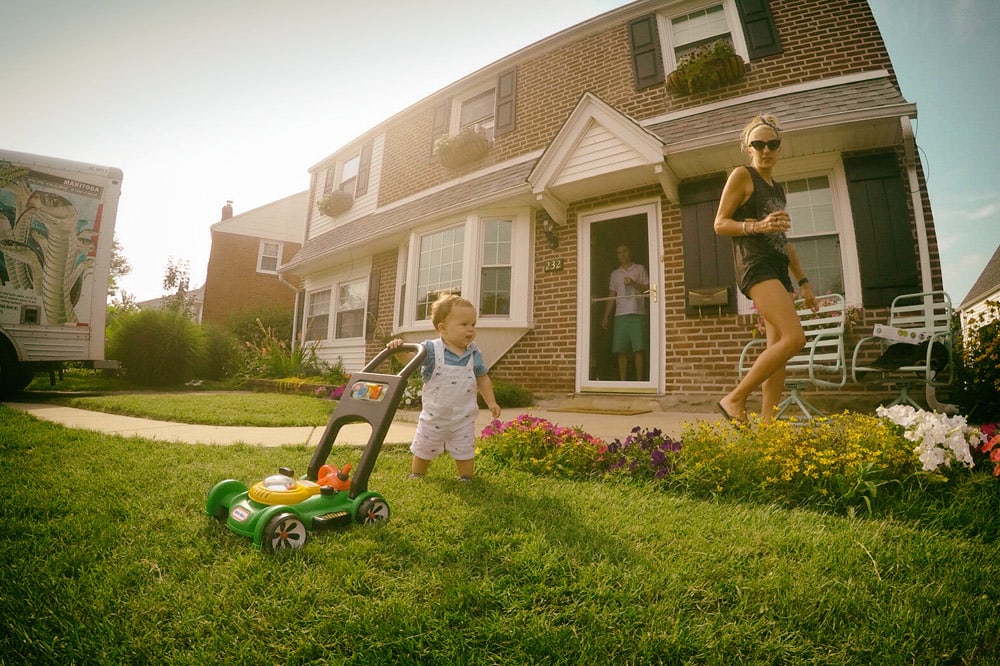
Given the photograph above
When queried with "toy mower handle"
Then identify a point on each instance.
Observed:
(419, 351)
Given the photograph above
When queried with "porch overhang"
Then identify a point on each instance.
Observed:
(598, 150)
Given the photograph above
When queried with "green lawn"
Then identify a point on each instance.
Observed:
(106, 557)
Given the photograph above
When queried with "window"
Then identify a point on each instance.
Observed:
(494, 284)
(814, 233)
(318, 315)
(439, 268)
(268, 257)
(695, 24)
(476, 113)
(351, 309)
(694, 29)
(349, 174)
(486, 257)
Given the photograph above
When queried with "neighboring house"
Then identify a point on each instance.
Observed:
(986, 288)
(247, 250)
(196, 297)
(588, 144)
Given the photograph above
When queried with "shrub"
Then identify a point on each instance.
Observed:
(157, 347)
(510, 396)
(977, 356)
(220, 353)
(270, 357)
(536, 445)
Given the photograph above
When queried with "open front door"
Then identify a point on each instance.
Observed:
(621, 328)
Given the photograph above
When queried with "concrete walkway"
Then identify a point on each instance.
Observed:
(605, 426)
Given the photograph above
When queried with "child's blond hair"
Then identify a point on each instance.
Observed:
(443, 306)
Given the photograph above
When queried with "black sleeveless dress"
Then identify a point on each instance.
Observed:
(760, 257)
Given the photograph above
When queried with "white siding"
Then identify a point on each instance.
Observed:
(363, 205)
(598, 152)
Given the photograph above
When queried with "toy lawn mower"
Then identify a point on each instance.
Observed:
(280, 511)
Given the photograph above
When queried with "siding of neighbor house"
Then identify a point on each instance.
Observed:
(595, 129)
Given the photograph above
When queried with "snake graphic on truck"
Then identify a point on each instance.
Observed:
(56, 228)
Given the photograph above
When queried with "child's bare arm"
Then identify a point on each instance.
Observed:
(485, 386)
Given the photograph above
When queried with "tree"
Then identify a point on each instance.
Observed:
(176, 280)
(120, 267)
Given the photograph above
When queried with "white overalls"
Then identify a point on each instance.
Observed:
(448, 418)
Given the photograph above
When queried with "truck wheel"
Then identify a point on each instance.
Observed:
(14, 375)
(284, 532)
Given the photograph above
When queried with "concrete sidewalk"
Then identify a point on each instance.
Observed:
(605, 426)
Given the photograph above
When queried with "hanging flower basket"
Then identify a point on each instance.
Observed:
(335, 203)
(461, 149)
(711, 66)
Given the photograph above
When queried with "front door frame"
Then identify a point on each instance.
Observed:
(587, 292)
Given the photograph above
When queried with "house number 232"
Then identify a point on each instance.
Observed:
(552, 265)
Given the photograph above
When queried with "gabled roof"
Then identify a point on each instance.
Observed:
(597, 149)
(987, 282)
(281, 220)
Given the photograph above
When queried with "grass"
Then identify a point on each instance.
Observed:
(106, 557)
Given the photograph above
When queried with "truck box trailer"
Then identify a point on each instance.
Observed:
(57, 221)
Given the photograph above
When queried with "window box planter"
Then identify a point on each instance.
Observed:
(461, 149)
(708, 67)
(335, 203)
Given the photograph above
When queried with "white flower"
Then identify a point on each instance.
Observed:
(941, 439)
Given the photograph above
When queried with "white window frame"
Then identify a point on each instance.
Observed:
(663, 21)
(455, 117)
(261, 255)
(336, 309)
(311, 298)
(832, 166)
(472, 259)
(352, 182)
(483, 221)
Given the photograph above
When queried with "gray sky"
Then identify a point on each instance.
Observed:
(200, 101)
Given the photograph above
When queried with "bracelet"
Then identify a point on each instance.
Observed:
(744, 227)
(753, 228)
(803, 281)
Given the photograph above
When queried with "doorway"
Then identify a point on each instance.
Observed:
(608, 239)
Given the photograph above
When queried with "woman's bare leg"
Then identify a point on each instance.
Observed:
(784, 339)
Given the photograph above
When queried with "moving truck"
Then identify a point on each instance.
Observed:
(57, 222)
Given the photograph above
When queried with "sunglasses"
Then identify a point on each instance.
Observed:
(773, 144)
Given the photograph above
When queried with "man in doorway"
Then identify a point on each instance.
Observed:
(629, 283)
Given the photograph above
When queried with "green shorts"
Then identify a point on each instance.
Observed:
(629, 334)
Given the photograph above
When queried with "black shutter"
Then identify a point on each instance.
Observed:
(886, 251)
(440, 122)
(364, 166)
(503, 115)
(758, 28)
(647, 64)
(709, 274)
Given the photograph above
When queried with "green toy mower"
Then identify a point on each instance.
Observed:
(279, 512)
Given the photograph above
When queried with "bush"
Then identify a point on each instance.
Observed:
(157, 347)
(977, 357)
(220, 353)
(510, 396)
(536, 445)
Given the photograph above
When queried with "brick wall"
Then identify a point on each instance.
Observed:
(232, 283)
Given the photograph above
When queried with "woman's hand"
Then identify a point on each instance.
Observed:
(394, 343)
(809, 297)
(775, 222)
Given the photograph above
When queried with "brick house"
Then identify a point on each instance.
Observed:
(247, 250)
(590, 142)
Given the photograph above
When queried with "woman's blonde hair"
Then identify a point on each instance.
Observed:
(443, 306)
(759, 121)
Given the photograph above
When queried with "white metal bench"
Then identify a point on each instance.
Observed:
(821, 362)
(914, 319)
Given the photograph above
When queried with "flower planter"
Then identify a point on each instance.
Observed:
(457, 151)
(707, 72)
(334, 203)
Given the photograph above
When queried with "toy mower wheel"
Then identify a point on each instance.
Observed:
(284, 532)
(372, 510)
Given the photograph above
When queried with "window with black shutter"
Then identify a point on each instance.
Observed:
(758, 28)
(882, 227)
(647, 63)
(503, 117)
(709, 276)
